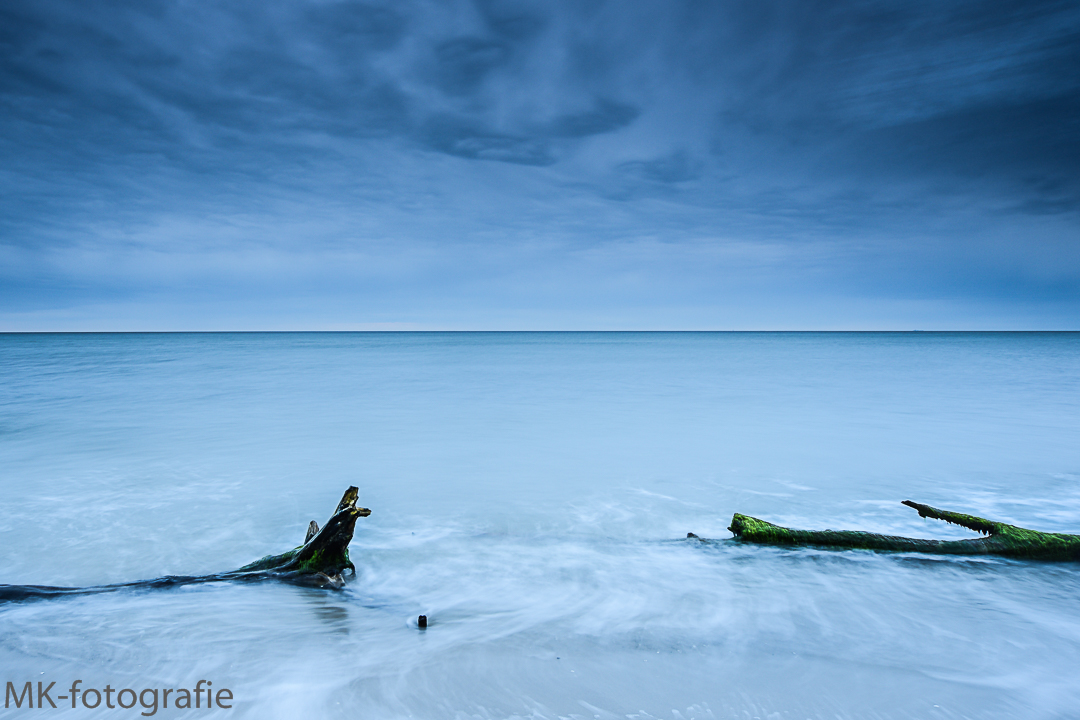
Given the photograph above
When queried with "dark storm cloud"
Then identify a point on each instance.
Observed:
(915, 78)
(607, 116)
(462, 64)
(674, 168)
(852, 123)
(460, 137)
(915, 91)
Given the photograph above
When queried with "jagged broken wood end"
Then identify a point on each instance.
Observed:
(324, 556)
(998, 538)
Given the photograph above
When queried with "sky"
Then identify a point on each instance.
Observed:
(520, 165)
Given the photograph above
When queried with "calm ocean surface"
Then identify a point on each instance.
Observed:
(528, 492)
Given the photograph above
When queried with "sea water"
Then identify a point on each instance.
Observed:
(531, 494)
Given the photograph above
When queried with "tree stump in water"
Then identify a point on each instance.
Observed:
(325, 552)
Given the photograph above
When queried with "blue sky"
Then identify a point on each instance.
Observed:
(315, 164)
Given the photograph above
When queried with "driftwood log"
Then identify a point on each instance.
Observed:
(998, 538)
(319, 562)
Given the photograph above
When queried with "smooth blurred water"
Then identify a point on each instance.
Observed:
(529, 492)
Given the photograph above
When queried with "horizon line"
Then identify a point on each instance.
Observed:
(544, 331)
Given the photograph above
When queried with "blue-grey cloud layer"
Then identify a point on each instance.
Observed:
(539, 163)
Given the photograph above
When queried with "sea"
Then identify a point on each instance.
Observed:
(531, 494)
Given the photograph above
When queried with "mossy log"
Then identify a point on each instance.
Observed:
(997, 538)
(319, 561)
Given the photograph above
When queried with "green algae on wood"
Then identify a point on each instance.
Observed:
(998, 538)
(325, 552)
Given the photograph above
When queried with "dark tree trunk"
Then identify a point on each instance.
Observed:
(319, 562)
